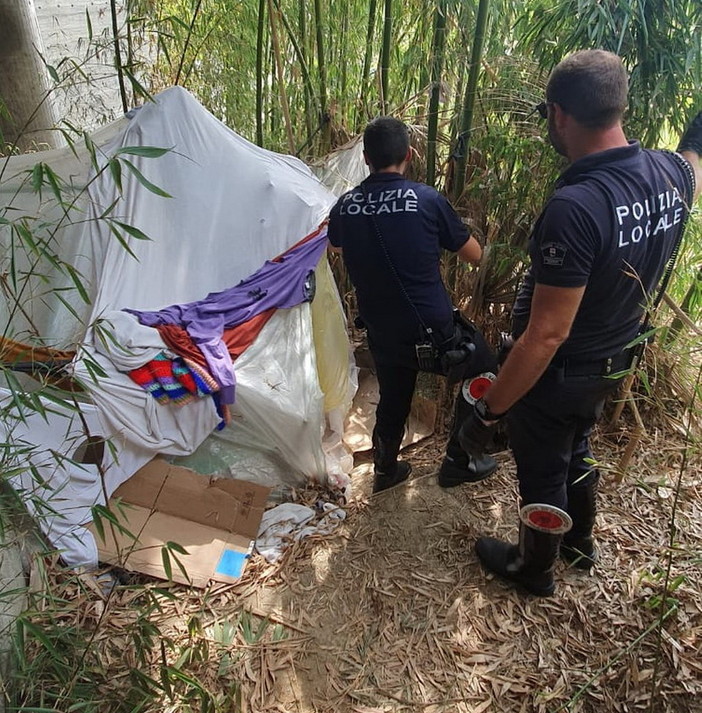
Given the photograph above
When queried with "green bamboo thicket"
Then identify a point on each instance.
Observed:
(303, 77)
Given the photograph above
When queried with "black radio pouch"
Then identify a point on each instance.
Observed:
(426, 356)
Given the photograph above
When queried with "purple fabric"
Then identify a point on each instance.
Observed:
(280, 284)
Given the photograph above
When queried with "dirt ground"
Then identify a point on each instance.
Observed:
(393, 612)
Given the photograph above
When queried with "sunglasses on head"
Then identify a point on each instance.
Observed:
(542, 109)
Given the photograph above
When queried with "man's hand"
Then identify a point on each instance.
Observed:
(474, 433)
(692, 138)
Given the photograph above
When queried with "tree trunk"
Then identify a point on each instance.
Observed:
(24, 81)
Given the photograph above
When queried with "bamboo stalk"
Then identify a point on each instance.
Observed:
(385, 58)
(437, 62)
(633, 441)
(308, 96)
(322, 70)
(626, 395)
(188, 37)
(682, 313)
(298, 49)
(681, 316)
(118, 57)
(344, 64)
(281, 78)
(367, 58)
(469, 98)
(259, 71)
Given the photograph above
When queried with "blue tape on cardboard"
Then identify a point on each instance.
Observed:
(231, 563)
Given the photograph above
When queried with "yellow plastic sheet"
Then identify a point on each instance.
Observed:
(331, 342)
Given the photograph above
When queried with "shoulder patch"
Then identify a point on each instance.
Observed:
(553, 254)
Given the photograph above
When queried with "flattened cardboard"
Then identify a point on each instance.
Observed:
(214, 519)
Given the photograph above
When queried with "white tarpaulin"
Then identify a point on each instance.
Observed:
(233, 206)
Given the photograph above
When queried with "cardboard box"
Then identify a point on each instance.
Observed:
(214, 519)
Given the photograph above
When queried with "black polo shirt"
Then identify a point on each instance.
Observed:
(396, 275)
(610, 226)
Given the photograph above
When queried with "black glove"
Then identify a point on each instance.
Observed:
(692, 138)
(474, 434)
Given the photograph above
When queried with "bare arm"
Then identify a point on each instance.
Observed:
(693, 159)
(470, 251)
(333, 248)
(553, 311)
(690, 147)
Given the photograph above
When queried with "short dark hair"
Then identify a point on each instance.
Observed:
(591, 86)
(385, 142)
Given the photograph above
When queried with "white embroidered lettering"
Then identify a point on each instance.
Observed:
(622, 212)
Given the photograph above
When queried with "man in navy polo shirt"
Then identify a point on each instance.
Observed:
(598, 251)
(391, 232)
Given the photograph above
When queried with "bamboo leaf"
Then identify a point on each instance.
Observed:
(120, 238)
(166, 559)
(40, 636)
(54, 182)
(76, 279)
(137, 87)
(90, 146)
(174, 546)
(116, 171)
(144, 181)
(134, 232)
(109, 209)
(38, 177)
(147, 151)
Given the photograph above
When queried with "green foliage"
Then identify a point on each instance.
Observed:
(659, 41)
(72, 657)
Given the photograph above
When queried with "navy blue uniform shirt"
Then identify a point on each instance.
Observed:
(610, 226)
(415, 222)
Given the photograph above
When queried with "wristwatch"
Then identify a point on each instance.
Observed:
(484, 413)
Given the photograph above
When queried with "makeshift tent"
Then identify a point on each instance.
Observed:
(128, 228)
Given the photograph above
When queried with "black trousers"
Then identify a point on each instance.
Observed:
(549, 431)
(397, 370)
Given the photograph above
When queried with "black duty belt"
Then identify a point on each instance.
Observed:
(569, 366)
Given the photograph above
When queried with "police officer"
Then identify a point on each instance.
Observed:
(391, 232)
(598, 251)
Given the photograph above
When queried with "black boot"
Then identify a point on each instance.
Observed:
(458, 467)
(530, 563)
(389, 472)
(578, 548)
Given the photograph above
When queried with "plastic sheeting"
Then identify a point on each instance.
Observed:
(233, 206)
(278, 419)
(344, 168)
(59, 490)
(43, 318)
